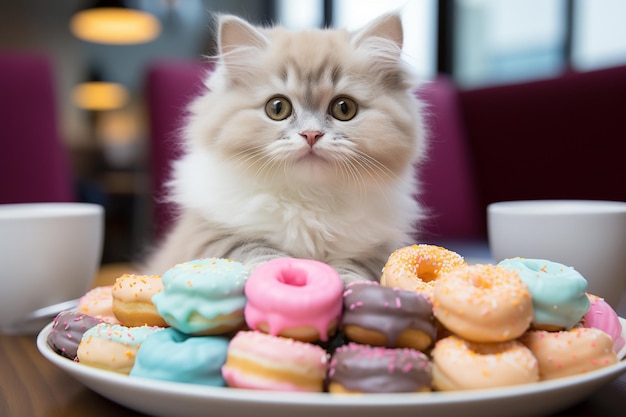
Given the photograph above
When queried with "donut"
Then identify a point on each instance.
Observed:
(462, 365)
(558, 292)
(356, 368)
(261, 361)
(602, 316)
(132, 300)
(98, 302)
(295, 298)
(170, 355)
(203, 296)
(572, 352)
(112, 346)
(390, 317)
(483, 303)
(417, 267)
(67, 330)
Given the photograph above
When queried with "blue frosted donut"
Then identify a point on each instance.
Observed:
(558, 291)
(170, 355)
(203, 296)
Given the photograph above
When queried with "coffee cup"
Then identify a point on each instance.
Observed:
(49, 254)
(589, 235)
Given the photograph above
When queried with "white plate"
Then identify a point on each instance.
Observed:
(168, 399)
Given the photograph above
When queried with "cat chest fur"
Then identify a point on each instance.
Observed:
(305, 225)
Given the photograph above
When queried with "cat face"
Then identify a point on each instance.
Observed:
(313, 107)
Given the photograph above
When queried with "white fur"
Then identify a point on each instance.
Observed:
(310, 223)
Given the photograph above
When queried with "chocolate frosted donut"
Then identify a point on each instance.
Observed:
(67, 330)
(390, 317)
(365, 369)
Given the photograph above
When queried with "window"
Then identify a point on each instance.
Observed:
(419, 18)
(499, 41)
(600, 34)
(301, 14)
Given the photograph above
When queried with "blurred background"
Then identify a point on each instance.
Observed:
(477, 43)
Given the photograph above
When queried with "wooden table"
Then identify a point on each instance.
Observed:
(30, 386)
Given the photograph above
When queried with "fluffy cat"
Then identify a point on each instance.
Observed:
(303, 145)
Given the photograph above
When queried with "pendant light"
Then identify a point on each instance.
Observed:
(99, 95)
(112, 22)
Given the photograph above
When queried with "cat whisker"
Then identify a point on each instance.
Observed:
(245, 162)
(242, 159)
(380, 167)
(271, 164)
(373, 168)
(352, 172)
(247, 151)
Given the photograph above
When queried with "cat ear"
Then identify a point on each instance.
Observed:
(383, 34)
(239, 45)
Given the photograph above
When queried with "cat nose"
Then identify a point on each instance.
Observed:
(311, 136)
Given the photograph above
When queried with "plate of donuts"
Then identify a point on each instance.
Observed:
(168, 399)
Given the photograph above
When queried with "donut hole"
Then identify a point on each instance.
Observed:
(426, 273)
(293, 277)
(481, 282)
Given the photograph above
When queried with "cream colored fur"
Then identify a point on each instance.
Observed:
(251, 188)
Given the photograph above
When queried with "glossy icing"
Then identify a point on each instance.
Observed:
(416, 267)
(261, 361)
(463, 365)
(203, 293)
(98, 302)
(483, 303)
(113, 346)
(171, 355)
(67, 330)
(361, 368)
(289, 292)
(602, 316)
(131, 287)
(387, 310)
(572, 352)
(558, 291)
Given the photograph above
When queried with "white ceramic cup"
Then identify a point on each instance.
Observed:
(49, 253)
(589, 235)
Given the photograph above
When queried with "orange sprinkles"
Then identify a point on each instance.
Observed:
(572, 352)
(417, 267)
(483, 303)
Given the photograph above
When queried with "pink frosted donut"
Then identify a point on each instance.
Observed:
(296, 298)
(257, 360)
(602, 316)
(98, 302)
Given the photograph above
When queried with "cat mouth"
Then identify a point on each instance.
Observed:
(312, 156)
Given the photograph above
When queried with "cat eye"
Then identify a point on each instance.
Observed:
(278, 108)
(343, 108)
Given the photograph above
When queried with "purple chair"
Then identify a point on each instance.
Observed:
(447, 177)
(170, 86)
(34, 164)
(563, 137)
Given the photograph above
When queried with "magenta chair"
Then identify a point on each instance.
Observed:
(34, 164)
(563, 137)
(170, 86)
(448, 189)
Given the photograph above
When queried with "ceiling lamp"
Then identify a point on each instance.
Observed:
(100, 95)
(111, 22)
